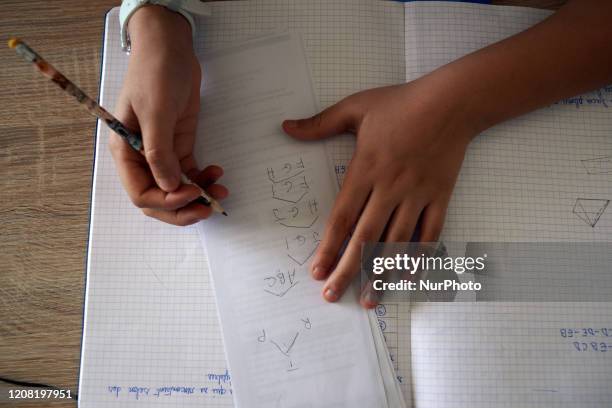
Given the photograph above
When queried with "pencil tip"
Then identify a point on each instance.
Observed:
(13, 42)
(224, 213)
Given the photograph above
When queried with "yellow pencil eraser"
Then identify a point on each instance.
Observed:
(13, 42)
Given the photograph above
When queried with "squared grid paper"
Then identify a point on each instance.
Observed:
(150, 313)
(150, 310)
(151, 318)
(519, 182)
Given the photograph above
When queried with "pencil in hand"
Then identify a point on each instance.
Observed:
(134, 139)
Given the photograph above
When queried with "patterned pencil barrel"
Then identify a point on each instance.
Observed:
(134, 139)
(69, 87)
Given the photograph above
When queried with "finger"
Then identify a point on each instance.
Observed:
(399, 229)
(156, 198)
(218, 191)
(207, 176)
(402, 223)
(124, 112)
(348, 205)
(139, 183)
(433, 220)
(190, 214)
(369, 229)
(158, 137)
(189, 165)
(336, 119)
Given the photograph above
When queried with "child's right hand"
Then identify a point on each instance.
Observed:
(161, 99)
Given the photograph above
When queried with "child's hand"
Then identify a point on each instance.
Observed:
(161, 98)
(410, 146)
(411, 138)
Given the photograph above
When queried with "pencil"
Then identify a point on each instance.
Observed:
(134, 139)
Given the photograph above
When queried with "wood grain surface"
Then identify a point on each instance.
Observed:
(46, 157)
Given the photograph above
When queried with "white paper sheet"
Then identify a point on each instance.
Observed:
(285, 345)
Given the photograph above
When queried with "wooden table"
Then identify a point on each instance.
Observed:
(46, 156)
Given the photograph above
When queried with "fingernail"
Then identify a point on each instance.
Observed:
(291, 124)
(318, 272)
(330, 295)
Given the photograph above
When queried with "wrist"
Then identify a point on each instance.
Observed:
(445, 96)
(156, 29)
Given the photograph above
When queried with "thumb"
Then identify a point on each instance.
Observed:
(158, 137)
(336, 119)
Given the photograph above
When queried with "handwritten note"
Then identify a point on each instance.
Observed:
(215, 385)
(285, 346)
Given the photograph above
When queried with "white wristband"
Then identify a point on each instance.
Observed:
(183, 7)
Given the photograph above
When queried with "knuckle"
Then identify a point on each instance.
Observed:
(411, 179)
(140, 202)
(309, 122)
(400, 180)
(350, 102)
(184, 221)
(181, 222)
(147, 211)
(316, 120)
(155, 157)
(365, 234)
(155, 104)
(326, 255)
(365, 159)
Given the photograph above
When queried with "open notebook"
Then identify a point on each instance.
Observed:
(151, 332)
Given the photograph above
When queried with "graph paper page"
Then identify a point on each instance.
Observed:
(151, 334)
(162, 345)
(543, 177)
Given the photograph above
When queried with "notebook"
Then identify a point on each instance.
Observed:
(151, 332)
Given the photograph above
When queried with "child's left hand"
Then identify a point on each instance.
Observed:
(411, 140)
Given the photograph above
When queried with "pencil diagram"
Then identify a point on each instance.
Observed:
(598, 165)
(296, 212)
(300, 247)
(292, 189)
(299, 215)
(280, 283)
(286, 347)
(286, 170)
(590, 210)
